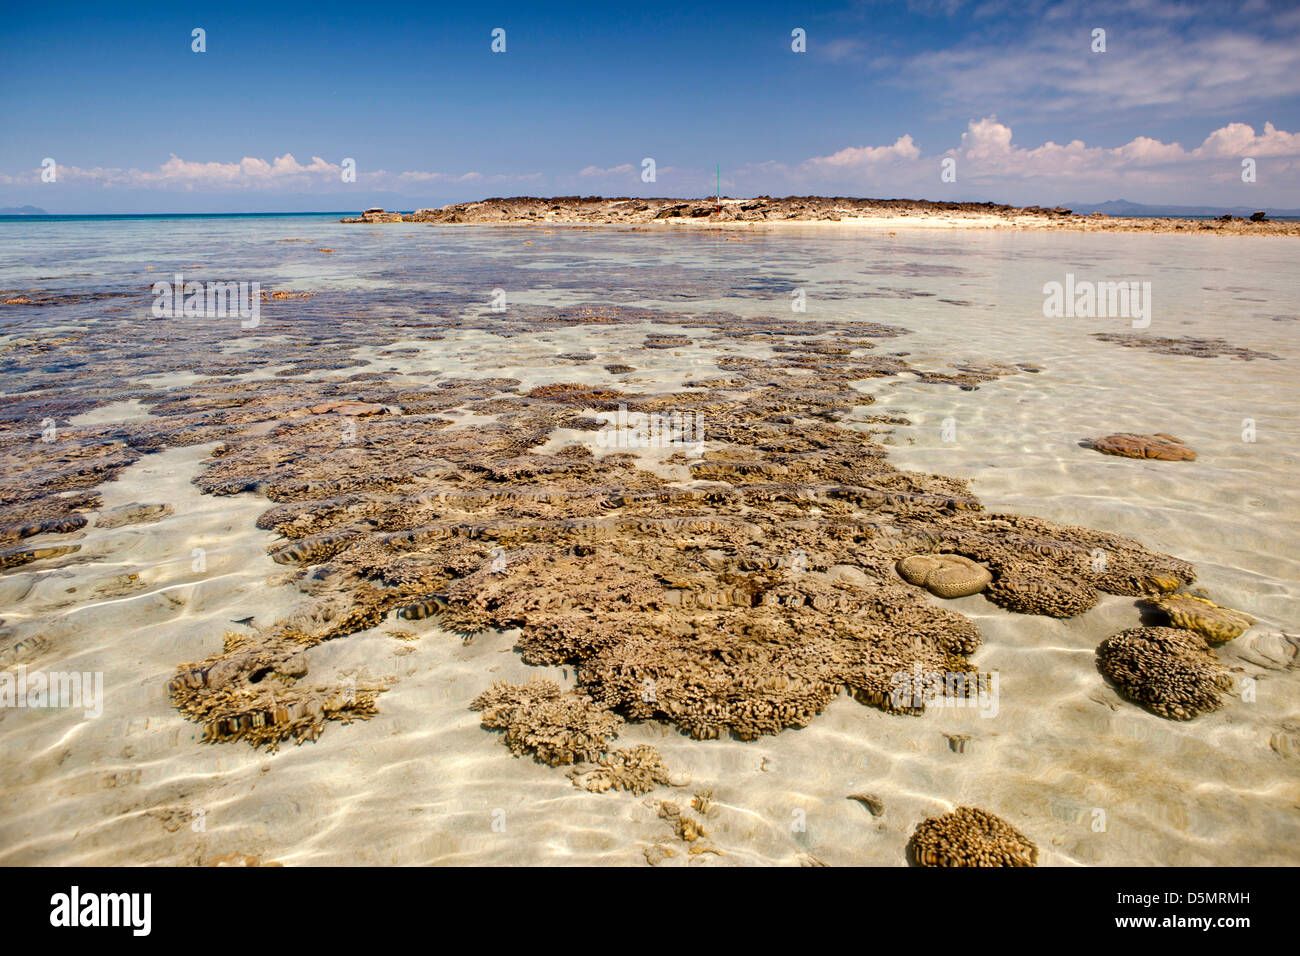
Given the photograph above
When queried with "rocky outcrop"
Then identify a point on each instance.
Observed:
(375, 215)
(596, 209)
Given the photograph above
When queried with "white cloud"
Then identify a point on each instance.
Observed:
(594, 171)
(988, 159)
(852, 156)
(251, 173)
(987, 149)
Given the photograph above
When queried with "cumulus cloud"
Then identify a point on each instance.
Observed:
(596, 171)
(987, 150)
(987, 157)
(852, 156)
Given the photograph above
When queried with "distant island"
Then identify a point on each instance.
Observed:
(1123, 207)
(22, 211)
(728, 213)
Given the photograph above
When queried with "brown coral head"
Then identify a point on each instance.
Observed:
(970, 837)
(1173, 672)
(1037, 589)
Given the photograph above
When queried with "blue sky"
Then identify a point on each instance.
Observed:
(1011, 92)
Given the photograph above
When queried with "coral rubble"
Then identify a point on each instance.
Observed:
(638, 770)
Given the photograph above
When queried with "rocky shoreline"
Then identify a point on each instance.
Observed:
(765, 210)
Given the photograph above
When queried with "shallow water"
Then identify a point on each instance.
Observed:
(1090, 777)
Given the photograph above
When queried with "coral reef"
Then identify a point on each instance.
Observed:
(675, 602)
(969, 836)
(1159, 446)
(1173, 672)
(737, 597)
(1025, 589)
(1184, 345)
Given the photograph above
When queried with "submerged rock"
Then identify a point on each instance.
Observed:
(1183, 345)
(1216, 624)
(131, 514)
(17, 557)
(1159, 446)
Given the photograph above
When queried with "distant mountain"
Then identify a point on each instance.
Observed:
(23, 211)
(1122, 207)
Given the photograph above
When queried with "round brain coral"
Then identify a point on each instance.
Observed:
(971, 837)
(945, 575)
(1171, 671)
